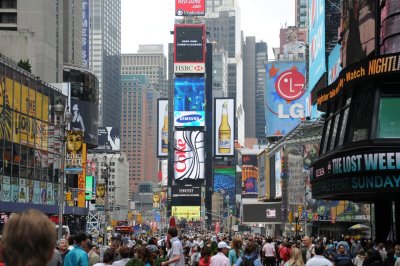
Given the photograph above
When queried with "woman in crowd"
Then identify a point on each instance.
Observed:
(236, 250)
(205, 258)
(296, 259)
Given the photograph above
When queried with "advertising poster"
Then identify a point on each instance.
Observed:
(310, 154)
(162, 128)
(50, 196)
(189, 213)
(334, 67)
(43, 192)
(108, 139)
(74, 160)
(29, 188)
(278, 174)
(293, 43)
(84, 118)
(249, 176)
(82, 180)
(156, 200)
(316, 35)
(189, 102)
(189, 155)
(100, 194)
(23, 195)
(190, 8)
(14, 189)
(6, 190)
(295, 177)
(224, 126)
(89, 187)
(358, 30)
(286, 97)
(164, 172)
(85, 33)
(36, 192)
(189, 43)
(224, 182)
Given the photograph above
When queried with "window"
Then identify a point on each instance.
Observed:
(389, 118)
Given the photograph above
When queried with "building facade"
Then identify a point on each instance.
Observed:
(301, 13)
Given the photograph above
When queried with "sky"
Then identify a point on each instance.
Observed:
(150, 21)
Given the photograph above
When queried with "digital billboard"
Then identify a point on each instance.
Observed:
(84, 118)
(188, 155)
(224, 117)
(285, 97)
(334, 67)
(162, 128)
(85, 33)
(189, 42)
(278, 174)
(89, 187)
(225, 182)
(190, 7)
(108, 139)
(249, 176)
(317, 41)
(189, 102)
(190, 213)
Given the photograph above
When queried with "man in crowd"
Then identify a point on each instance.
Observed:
(77, 256)
(177, 258)
(318, 259)
(221, 259)
(342, 258)
(269, 253)
(309, 247)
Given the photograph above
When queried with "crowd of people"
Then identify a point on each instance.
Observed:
(29, 239)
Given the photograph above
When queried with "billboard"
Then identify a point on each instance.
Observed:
(225, 182)
(189, 42)
(190, 7)
(317, 41)
(108, 139)
(188, 155)
(185, 192)
(89, 187)
(278, 174)
(163, 172)
(334, 67)
(156, 200)
(85, 33)
(190, 213)
(82, 180)
(162, 128)
(262, 213)
(358, 30)
(285, 97)
(84, 118)
(224, 117)
(189, 102)
(74, 160)
(249, 176)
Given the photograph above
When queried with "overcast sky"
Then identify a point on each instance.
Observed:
(150, 21)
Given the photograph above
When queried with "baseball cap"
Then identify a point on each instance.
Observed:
(223, 244)
(116, 236)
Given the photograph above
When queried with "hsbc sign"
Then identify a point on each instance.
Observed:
(189, 68)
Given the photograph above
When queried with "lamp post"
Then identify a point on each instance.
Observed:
(65, 117)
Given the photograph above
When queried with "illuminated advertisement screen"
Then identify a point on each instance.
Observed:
(224, 126)
(189, 102)
(225, 182)
(188, 155)
(89, 187)
(285, 97)
(317, 41)
(108, 139)
(189, 43)
(190, 8)
(190, 213)
(84, 118)
(162, 128)
(278, 174)
(249, 176)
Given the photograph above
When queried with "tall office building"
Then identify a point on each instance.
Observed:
(138, 129)
(302, 13)
(220, 73)
(224, 25)
(255, 56)
(105, 57)
(150, 61)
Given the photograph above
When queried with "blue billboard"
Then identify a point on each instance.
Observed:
(334, 67)
(286, 97)
(225, 182)
(317, 41)
(189, 102)
(85, 33)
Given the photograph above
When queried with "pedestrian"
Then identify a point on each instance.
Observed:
(63, 248)
(308, 244)
(221, 259)
(108, 258)
(56, 259)
(250, 256)
(77, 256)
(205, 256)
(296, 259)
(269, 253)
(342, 258)
(31, 232)
(176, 254)
(318, 259)
(236, 250)
(359, 259)
(124, 252)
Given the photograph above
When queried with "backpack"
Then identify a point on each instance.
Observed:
(248, 261)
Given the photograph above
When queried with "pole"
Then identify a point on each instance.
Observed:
(105, 240)
(61, 190)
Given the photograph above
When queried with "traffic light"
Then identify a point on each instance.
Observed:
(300, 210)
(139, 218)
(290, 217)
(68, 196)
(130, 216)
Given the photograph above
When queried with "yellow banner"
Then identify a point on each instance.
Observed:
(74, 150)
(82, 181)
(24, 128)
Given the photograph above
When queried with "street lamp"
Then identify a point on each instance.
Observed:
(65, 117)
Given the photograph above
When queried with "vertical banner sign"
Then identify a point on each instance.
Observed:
(334, 67)
(74, 160)
(249, 176)
(189, 102)
(278, 174)
(81, 180)
(85, 33)
(89, 187)
(285, 97)
(156, 200)
(189, 155)
(317, 65)
(190, 7)
(224, 126)
(162, 128)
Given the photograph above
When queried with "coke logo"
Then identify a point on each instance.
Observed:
(180, 165)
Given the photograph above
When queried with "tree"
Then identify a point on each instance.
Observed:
(25, 65)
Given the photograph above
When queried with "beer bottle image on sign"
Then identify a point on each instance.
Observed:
(164, 132)
(224, 131)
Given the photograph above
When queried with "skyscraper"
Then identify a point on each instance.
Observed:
(105, 60)
(302, 13)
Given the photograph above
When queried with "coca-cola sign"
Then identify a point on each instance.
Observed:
(189, 155)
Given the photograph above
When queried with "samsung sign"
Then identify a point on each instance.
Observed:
(181, 68)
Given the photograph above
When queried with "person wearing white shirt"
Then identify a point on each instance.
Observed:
(319, 259)
(221, 259)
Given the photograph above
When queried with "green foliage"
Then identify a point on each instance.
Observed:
(135, 262)
(25, 65)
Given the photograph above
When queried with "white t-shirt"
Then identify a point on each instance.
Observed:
(177, 249)
(318, 260)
